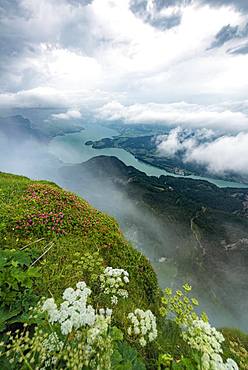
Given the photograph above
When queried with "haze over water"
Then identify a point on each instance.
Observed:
(71, 148)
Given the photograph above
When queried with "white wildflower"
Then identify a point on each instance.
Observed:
(142, 342)
(108, 312)
(52, 343)
(114, 300)
(81, 285)
(66, 327)
(74, 311)
(231, 364)
(69, 295)
(143, 326)
(126, 280)
(204, 338)
(51, 308)
(112, 283)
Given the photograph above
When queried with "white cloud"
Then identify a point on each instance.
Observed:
(103, 45)
(37, 97)
(103, 58)
(174, 114)
(99, 56)
(170, 144)
(181, 140)
(225, 154)
(70, 114)
(42, 97)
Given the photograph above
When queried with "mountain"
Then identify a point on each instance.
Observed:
(24, 148)
(51, 240)
(198, 231)
(144, 148)
(19, 128)
(37, 127)
(35, 214)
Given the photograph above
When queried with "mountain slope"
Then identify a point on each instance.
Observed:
(199, 231)
(19, 128)
(37, 214)
(50, 239)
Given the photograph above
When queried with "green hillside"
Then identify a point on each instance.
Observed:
(51, 240)
(36, 213)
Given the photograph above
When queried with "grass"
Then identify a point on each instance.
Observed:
(37, 215)
(76, 242)
(39, 212)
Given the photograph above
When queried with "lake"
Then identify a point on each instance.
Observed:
(71, 148)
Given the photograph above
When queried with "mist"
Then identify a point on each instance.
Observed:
(29, 158)
(167, 244)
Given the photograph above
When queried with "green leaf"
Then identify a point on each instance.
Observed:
(116, 333)
(14, 263)
(128, 358)
(116, 357)
(7, 315)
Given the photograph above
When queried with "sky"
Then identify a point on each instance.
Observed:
(181, 63)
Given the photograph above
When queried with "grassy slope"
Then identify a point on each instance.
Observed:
(36, 213)
(31, 210)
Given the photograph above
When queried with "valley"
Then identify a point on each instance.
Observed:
(197, 230)
(144, 148)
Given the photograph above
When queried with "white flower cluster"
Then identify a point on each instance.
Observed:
(74, 311)
(113, 282)
(98, 342)
(100, 327)
(52, 343)
(215, 362)
(201, 336)
(143, 326)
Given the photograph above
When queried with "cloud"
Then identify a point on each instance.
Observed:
(228, 33)
(225, 34)
(240, 49)
(37, 97)
(225, 154)
(239, 4)
(181, 140)
(136, 61)
(103, 44)
(174, 114)
(48, 97)
(70, 114)
(157, 13)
